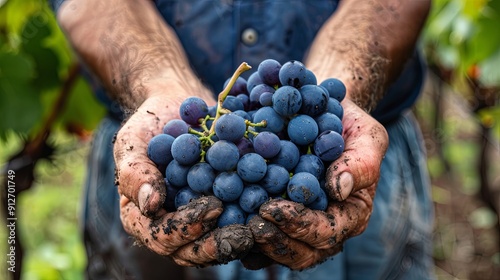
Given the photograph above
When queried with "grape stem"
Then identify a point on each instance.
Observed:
(223, 94)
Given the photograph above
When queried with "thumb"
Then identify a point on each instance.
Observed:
(358, 167)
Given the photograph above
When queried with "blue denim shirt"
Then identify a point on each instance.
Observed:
(218, 35)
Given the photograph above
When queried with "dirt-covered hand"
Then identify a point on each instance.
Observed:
(186, 235)
(298, 237)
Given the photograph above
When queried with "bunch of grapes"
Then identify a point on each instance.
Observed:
(270, 136)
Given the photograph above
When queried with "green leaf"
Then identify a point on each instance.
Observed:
(15, 67)
(35, 33)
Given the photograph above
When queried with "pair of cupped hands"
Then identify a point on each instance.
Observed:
(283, 232)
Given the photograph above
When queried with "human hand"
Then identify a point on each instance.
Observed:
(186, 235)
(298, 237)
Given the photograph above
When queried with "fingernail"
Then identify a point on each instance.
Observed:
(144, 196)
(345, 184)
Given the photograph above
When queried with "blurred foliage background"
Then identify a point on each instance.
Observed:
(49, 112)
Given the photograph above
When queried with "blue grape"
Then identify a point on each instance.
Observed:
(227, 186)
(200, 177)
(275, 123)
(287, 101)
(239, 86)
(186, 149)
(303, 188)
(253, 81)
(302, 130)
(245, 100)
(176, 174)
(256, 92)
(251, 167)
(310, 78)
(184, 196)
(252, 198)
(175, 127)
(329, 121)
(336, 88)
(245, 146)
(293, 73)
(276, 179)
(192, 109)
(321, 203)
(329, 145)
(311, 164)
(231, 215)
(335, 107)
(223, 155)
(249, 217)
(266, 99)
(266, 144)
(288, 157)
(314, 100)
(159, 149)
(269, 72)
(232, 103)
(230, 127)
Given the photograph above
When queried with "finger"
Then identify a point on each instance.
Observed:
(137, 177)
(358, 167)
(316, 228)
(216, 247)
(285, 250)
(167, 233)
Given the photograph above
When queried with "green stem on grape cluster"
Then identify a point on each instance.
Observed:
(222, 96)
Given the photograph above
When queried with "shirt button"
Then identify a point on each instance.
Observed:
(249, 36)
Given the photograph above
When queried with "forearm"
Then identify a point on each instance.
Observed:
(129, 47)
(366, 44)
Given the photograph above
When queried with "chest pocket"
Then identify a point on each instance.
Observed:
(218, 35)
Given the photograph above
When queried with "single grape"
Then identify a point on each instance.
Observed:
(276, 179)
(192, 109)
(227, 186)
(253, 81)
(232, 103)
(231, 215)
(245, 146)
(311, 164)
(243, 114)
(266, 99)
(314, 100)
(186, 149)
(329, 145)
(287, 101)
(256, 92)
(266, 144)
(336, 88)
(269, 72)
(275, 123)
(184, 196)
(251, 167)
(335, 107)
(310, 78)
(230, 127)
(329, 121)
(302, 130)
(223, 155)
(176, 174)
(200, 177)
(303, 188)
(252, 198)
(293, 73)
(321, 203)
(288, 157)
(175, 127)
(159, 149)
